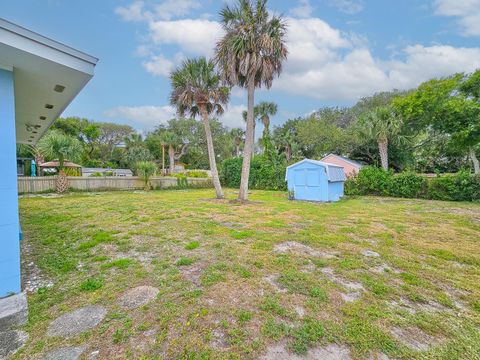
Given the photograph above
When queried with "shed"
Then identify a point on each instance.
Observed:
(315, 180)
(351, 167)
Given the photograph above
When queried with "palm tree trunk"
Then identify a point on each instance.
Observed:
(476, 164)
(249, 143)
(163, 159)
(253, 142)
(288, 152)
(171, 155)
(237, 150)
(383, 150)
(211, 154)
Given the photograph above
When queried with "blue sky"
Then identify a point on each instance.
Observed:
(340, 50)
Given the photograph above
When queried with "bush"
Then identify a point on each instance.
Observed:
(462, 186)
(266, 173)
(406, 185)
(197, 174)
(369, 181)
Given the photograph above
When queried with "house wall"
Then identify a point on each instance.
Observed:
(9, 222)
(350, 169)
(308, 182)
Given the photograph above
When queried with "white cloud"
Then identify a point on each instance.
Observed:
(145, 117)
(147, 11)
(347, 6)
(134, 12)
(159, 65)
(232, 117)
(323, 62)
(195, 36)
(303, 10)
(467, 12)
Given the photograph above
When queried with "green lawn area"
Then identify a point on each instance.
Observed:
(376, 276)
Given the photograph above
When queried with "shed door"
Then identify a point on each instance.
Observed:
(308, 184)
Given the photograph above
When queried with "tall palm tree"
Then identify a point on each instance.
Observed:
(171, 140)
(245, 117)
(164, 143)
(196, 90)
(249, 55)
(56, 145)
(381, 125)
(237, 135)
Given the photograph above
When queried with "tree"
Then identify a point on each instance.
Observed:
(449, 106)
(57, 145)
(238, 136)
(145, 170)
(171, 140)
(249, 55)
(264, 111)
(196, 90)
(381, 125)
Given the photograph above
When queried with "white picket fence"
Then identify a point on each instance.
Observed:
(47, 183)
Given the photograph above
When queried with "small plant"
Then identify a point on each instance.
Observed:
(145, 170)
(192, 245)
(91, 284)
(184, 261)
(244, 316)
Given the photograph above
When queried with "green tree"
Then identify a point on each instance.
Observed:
(57, 145)
(238, 137)
(249, 55)
(145, 170)
(381, 125)
(196, 90)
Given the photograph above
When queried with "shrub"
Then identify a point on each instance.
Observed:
(406, 185)
(197, 174)
(266, 173)
(145, 170)
(462, 186)
(369, 181)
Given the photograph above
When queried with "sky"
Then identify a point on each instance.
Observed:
(339, 50)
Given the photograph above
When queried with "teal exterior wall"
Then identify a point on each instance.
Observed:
(9, 221)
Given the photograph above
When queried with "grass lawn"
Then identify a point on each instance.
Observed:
(377, 277)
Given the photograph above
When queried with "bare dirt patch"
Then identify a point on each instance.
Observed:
(415, 338)
(330, 352)
(354, 289)
(273, 281)
(138, 296)
(300, 249)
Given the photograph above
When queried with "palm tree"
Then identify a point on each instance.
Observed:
(249, 55)
(164, 142)
(381, 125)
(57, 145)
(145, 170)
(245, 117)
(264, 110)
(237, 135)
(171, 140)
(196, 90)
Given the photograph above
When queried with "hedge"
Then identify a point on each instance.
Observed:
(462, 186)
(265, 173)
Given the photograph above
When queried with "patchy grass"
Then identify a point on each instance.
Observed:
(226, 293)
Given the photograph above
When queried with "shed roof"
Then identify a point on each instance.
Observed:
(334, 172)
(353, 162)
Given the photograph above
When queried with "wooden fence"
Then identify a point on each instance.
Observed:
(47, 183)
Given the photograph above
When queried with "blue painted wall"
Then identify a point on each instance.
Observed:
(9, 223)
(309, 181)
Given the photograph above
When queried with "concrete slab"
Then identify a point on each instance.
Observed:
(13, 311)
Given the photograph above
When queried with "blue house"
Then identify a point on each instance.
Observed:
(39, 77)
(314, 180)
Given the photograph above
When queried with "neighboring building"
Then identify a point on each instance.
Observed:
(351, 167)
(315, 181)
(106, 172)
(39, 77)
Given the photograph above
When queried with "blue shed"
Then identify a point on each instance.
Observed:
(315, 180)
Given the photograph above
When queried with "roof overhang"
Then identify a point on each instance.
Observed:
(47, 77)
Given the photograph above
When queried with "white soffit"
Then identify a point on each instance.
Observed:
(40, 65)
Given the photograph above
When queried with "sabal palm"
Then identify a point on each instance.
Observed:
(381, 125)
(196, 90)
(264, 110)
(250, 55)
(237, 135)
(170, 139)
(57, 145)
